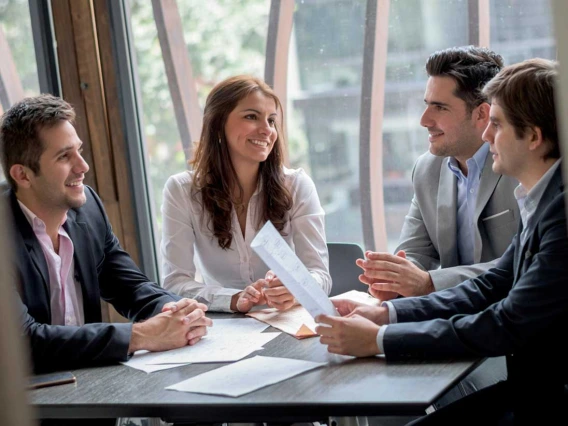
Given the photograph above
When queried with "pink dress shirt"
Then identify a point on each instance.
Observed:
(66, 297)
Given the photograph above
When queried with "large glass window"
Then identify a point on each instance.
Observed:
(324, 84)
(227, 37)
(18, 69)
(223, 38)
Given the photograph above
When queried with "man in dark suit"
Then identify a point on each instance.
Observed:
(520, 307)
(67, 257)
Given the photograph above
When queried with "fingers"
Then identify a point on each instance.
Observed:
(195, 334)
(324, 319)
(385, 257)
(390, 287)
(275, 291)
(274, 282)
(382, 275)
(283, 306)
(269, 275)
(383, 295)
(197, 318)
(252, 293)
(192, 306)
(176, 306)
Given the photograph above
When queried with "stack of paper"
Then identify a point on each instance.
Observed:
(228, 340)
(236, 379)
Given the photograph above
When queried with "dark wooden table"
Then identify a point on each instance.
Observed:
(347, 387)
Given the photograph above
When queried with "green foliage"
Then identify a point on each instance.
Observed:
(223, 38)
(16, 25)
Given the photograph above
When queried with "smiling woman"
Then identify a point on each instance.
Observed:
(211, 214)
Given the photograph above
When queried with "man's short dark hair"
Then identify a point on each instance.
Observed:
(471, 68)
(525, 92)
(20, 127)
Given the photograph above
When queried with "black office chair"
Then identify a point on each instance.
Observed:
(342, 268)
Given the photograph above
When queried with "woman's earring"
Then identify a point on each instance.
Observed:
(219, 140)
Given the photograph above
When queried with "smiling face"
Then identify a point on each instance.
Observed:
(250, 130)
(453, 131)
(58, 186)
(510, 153)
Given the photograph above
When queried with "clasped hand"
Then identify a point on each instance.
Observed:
(179, 324)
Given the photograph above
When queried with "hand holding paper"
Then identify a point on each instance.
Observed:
(273, 250)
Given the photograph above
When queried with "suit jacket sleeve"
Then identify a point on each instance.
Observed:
(122, 283)
(119, 282)
(57, 347)
(448, 277)
(488, 315)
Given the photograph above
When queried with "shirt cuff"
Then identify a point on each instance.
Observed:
(392, 312)
(221, 300)
(380, 337)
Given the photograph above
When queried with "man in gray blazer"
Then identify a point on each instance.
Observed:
(463, 215)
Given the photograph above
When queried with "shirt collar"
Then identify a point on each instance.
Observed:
(477, 162)
(536, 192)
(33, 219)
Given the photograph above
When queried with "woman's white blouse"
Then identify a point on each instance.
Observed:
(188, 245)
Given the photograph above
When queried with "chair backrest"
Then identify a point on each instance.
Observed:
(342, 268)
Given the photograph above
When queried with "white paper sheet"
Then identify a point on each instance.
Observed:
(273, 250)
(236, 326)
(245, 376)
(141, 359)
(221, 348)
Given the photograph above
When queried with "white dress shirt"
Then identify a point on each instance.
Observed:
(188, 245)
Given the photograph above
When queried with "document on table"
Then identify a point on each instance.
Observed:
(245, 376)
(233, 326)
(220, 348)
(273, 250)
(141, 361)
(295, 321)
(298, 322)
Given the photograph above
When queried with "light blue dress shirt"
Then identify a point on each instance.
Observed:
(468, 188)
(528, 200)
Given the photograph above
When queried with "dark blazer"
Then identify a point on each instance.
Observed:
(518, 309)
(104, 270)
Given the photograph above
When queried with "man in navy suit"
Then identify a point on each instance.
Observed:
(67, 257)
(519, 308)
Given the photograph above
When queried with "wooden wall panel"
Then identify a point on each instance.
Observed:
(88, 79)
(70, 82)
(116, 131)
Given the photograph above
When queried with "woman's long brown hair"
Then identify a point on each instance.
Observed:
(214, 176)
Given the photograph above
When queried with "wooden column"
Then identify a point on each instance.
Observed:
(88, 80)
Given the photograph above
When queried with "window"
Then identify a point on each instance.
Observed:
(18, 70)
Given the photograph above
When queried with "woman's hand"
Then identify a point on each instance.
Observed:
(251, 296)
(277, 296)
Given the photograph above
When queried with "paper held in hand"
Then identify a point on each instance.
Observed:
(273, 250)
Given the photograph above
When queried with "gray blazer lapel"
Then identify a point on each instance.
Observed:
(446, 220)
(487, 184)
